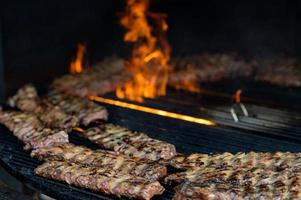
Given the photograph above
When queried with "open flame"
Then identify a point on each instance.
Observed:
(148, 64)
(76, 66)
(237, 96)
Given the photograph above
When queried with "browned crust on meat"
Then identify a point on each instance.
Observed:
(58, 110)
(241, 176)
(133, 144)
(85, 110)
(101, 180)
(84, 156)
(30, 130)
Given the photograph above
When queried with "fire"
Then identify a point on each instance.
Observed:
(153, 111)
(148, 64)
(76, 66)
(237, 96)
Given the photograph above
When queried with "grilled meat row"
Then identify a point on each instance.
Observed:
(240, 176)
(109, 74)
(85, 110)
(27, 99)
(30, 130)
(199, 160)
(254, 183)
(104, 77)
(100, 179)
(133, 144)
(238, 160)
(101, 158)
(58, 110)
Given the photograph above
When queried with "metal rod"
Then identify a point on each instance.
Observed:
(244, 109)
(234, 115)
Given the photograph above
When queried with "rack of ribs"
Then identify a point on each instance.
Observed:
(133, 144)
(58, 110)
(100, 179)
(85, 110)
(239, 176)
(27, 100)
(101, 158)
(30, 130)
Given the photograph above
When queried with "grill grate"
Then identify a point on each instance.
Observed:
(22, 166)
(270, 130)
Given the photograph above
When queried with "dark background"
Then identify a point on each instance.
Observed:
(39, 38)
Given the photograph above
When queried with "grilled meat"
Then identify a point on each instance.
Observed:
(198, 160)
(133, 144)
(276, 70)
(242, 176)
(30, 130)
(100, 179)
(58, 110)
(19, 122)
(209, 68)
(46, 138)
(85, 110)
(104, 159)
(107, 75)
(55, 117)
(102, 78)
(27, 99)
(238, 160)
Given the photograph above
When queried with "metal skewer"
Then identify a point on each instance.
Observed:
(237, 101)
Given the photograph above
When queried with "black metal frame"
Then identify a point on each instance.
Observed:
(2, 81)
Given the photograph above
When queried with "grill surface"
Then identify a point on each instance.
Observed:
(269, 130)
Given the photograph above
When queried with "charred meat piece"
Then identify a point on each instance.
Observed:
(27, 99)
(242, 184)
(29, 129)
(100, 179)
(102, 78)
(85, 110)
(237, 160)
(242, 176)
(195, 163)
(133, 144)
(55, 117)
(20, 123)
(46, 138)
(104, 159)
(196, 160)
(58, 110)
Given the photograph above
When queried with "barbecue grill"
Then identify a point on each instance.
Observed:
(256, 133)
(273, 120)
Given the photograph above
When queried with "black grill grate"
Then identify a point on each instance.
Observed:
(22, 166)
(270, 130)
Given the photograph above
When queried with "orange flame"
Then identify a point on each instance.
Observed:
(76, 66)
(237, 96)
(153, 111)
(150, 57)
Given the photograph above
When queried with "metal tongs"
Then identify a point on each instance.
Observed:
(238, 105)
